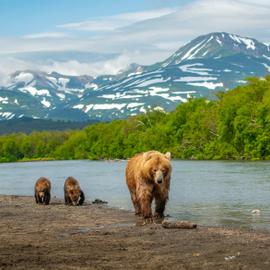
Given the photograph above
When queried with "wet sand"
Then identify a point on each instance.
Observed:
(98, 237)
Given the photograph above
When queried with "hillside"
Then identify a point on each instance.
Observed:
(28, 125)
(234, 126)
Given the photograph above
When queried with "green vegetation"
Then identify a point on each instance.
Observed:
(235, 126)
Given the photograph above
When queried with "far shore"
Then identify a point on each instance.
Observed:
(123, 160)
(96, 236)
(53, 159)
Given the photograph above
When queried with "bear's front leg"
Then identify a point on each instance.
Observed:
(145, 199)
(47, 198)
(160, 202)
(160, 207)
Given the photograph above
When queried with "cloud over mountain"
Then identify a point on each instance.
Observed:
(143, 37)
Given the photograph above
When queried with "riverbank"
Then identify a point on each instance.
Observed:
(98, 237)
(29, 160)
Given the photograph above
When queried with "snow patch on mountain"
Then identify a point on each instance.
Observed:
(134, 104)
(3, 99)
(134, 73)
(266, 66)
(46, 103)
(248, 42)
(61, 96)
(35, 92)
(267, 57)
(152, 81)
(63, 82)
(195, 79)
(7, 115)
(218, 41)
(78, 106)
(190, 53)
(163, 92)
(106, 106)
(52, 79)
(91, 85)
(209, 85)
(193, 68)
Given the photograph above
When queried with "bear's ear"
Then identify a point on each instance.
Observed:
(168, 155)
(147, 155)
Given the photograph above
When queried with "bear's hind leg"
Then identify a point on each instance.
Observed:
(36, 197)
(135, 204)
(82, 198)
(67, 199)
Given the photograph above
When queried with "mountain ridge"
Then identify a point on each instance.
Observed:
(213, 62)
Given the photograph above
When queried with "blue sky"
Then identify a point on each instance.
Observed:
(20, 17)
(34, 32)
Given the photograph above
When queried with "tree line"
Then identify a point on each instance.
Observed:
(236, 125)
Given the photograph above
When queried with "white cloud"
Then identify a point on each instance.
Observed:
(142, 37)
(110, 23)
(46, 35)
(9, 65)
(76, 68)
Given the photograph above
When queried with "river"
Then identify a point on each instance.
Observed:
(215, 193)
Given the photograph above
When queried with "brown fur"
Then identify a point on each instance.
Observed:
(148, 177)
(73, 193)
(43, 191)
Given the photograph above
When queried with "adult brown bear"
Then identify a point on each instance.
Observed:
(43, 191)
(148, 177)
(73, 193)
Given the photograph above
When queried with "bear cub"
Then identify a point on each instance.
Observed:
(73, 193)
(43, 191)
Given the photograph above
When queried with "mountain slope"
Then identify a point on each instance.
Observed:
(213, 62)
(42, 95)
(209, 63)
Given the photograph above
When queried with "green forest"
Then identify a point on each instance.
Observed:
(236, 125)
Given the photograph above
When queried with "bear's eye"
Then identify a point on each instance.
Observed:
(155, 170)
(164, 171)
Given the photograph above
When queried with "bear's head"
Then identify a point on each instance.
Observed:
(42, 193)
(74, 194)
(157, 167)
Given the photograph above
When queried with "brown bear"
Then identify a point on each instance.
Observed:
(43, 191)
(73, 193)
(148, 177)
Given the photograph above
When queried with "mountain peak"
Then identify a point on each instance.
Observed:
(216, 45)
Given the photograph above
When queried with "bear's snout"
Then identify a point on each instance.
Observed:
(159, 177)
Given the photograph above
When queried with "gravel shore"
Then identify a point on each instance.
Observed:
(99, 237)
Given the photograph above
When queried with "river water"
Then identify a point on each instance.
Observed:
(211, 193)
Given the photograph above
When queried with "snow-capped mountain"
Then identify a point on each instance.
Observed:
(42, 95)
(209, 63)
